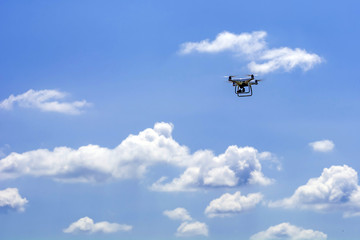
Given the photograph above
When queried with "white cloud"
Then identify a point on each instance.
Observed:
(238, 166)
(11, 199)
(178, 214)
(244, 43)
(86, 224)
(189, 229)
(229, 204)
(322, 146)
(284, 58)
(221, 176)
(287, 231)
(45, 100)
(254, 48)
(133, 157)
(336, 189)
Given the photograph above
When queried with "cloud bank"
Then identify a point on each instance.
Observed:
(287, 231)
(87, 225)
(132, 159)
(44, 100)
(322, 146)
(11, 199)
(253, 47)
(336, 189)
(230, 204)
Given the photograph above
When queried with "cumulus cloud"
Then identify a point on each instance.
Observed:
(133, 157)
(11, 199)
(322, 146)
(189, 229)
(287, 231)
(336, 189)
(229, 204)
(44, 100)
(86, 224)
(253, 47)
(178, 214)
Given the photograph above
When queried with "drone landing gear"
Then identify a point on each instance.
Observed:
(243, 91)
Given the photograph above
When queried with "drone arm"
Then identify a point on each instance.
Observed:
(254, 83)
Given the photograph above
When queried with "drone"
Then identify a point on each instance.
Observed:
(243, 85)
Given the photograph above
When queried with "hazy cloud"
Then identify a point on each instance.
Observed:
(4, 149)
(253, 47)
(132, 158)
(287, 231)
(86, 224)
(189, 229)
(322, 146)
(44, 100)
(11, 199)
(336, 189)
(178, 214)
(229, 204)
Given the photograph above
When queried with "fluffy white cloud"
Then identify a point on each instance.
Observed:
(235, 167)
(254, 47)
(287, 231)
(189, 229)
(322, 146)
(178, 214)
(11, 199)
(229, 204)
(45, 100)
(336, 189)
(133, 157)
(86, 224)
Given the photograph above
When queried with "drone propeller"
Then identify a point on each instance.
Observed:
(258, 80)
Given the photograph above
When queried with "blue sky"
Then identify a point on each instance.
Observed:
(116, 121)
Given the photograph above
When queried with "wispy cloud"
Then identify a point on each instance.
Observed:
(253, 47)
(4, 149)
(244, 43)
(11, 199)
(336, 189)
(132, 158)
(286, 231)
(322, 146)
(230, 204)
(44, 100)
(189, 229)
(284, 58)
(86, 224)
